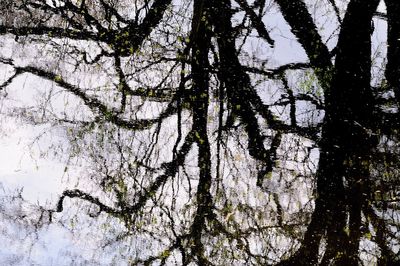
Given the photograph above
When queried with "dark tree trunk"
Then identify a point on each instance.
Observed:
(200, 44)
(346, 146)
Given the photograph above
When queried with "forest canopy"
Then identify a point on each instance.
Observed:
(199, 132)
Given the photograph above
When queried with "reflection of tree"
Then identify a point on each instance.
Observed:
(175, 83)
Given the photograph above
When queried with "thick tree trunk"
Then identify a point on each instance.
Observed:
(349, 119)
(346, 146)
(200, 41)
